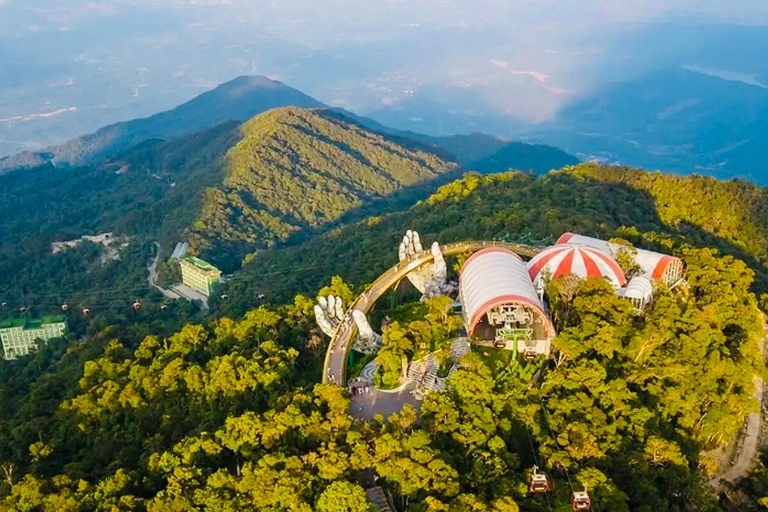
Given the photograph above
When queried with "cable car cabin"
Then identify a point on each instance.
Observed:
(530, 355)
(539, 483)
(86, 311)
(581, 500)
(65, 307)
(136, 305)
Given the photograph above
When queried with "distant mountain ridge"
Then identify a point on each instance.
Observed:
(676, 120)
(236, 100)
(244, 97)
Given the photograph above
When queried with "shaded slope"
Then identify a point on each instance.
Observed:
(239, 99)
(596, 200)
(520, 156)
(479, 151)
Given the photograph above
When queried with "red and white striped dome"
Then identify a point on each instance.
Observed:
(561, 260)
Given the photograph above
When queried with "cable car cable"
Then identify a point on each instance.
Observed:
(546, 415)
(536, 460)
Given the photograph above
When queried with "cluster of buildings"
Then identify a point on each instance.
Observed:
(105, 239)
(21, 336)
(504, 298)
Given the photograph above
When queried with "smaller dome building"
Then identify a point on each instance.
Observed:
(582, 261)
(639, 291)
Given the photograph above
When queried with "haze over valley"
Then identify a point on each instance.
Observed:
(511, 69)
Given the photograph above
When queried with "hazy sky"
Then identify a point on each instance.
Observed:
(69, 67)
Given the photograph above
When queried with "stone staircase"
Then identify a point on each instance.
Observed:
(459, 348)
(415, 370)
(424, 371)
(431, 372)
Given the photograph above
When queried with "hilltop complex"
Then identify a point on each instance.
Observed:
(505, 317)
(503, 299)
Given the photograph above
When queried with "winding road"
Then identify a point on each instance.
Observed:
(335, 366)
(750, 443)
(153, 275)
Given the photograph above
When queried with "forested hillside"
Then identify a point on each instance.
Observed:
(229, 416)
(232, 190)
(295, 169)
(520, 156)
(650, 209)
(488, 154)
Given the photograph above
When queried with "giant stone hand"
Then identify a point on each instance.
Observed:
(367, 340)
(431, 278)
(329, 313)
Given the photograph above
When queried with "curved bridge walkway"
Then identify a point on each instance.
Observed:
(335, 366)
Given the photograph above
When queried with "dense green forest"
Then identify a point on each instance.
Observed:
(232, 190)
(228, 188)
(228, 415)
(649, 209)
(295, 169)
(171, 410)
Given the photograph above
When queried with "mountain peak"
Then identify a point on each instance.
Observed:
(247, 84)
(237, 100)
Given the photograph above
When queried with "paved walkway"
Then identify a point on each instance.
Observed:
(382, 402)
(369, 371)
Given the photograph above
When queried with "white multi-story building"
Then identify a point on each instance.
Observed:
(198, 274)
(20, 336)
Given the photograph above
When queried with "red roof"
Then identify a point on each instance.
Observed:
(561, 260)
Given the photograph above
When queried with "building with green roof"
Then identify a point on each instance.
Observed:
(20, 336)
(199, 274)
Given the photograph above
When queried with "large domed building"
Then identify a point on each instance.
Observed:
(501, 304)
(561, 260)
(654, 266)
